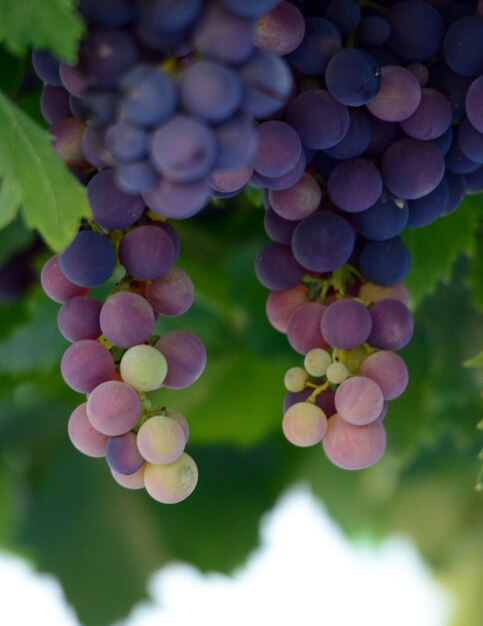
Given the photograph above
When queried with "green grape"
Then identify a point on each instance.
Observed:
(304, 424)
(143, 367)
(171, 483)
(161, 440)
(337, 373)
(352, 359)
(295, 379)
(317, 361)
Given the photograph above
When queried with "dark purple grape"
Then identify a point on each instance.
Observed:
(431, 119)
(279, 149)
(321, 41)
(392, 325)
(384, 262)
(54, 104)
(171, 294)
(282, 30)
(105, 56)
(277, 269)
(112, 208)
(177, 200)
(357, 139)
(354, 185)
(46, 66)
(398, 97)
(185, 355)
(122, 454)
(463, 46)
(89, 260)
(146, 252)
(346, 324)
(353, 77)
(384, 220)
(149, 96)
(474, 104)
(277, 228)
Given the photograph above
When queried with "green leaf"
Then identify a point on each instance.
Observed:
(51, 24)
(476, 361)
(52, 200)
(476, 268)
(435, 249)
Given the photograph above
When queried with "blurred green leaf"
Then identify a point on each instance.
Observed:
(51, 24)
(476, 361)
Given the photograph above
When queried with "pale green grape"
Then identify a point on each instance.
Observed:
(171, 483)
(337, 373)
(143, 367)
(295, 379)
(317, 361)
(161, 440)
(304, 424)
(352, 359)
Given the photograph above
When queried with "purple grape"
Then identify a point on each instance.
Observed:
(56, 285)
(113, 408)
(72, 79)
(359, 400)
(276, 267)
(298, 201)
(126, 142)
(136, 178)
(54, 104)
(346, 324)
(171, 294)
(353, 447)
(67, 142)
(427, 209)
(383, 135)
(122, 454)
(357, 139)
(108, 13)
(375, 30)
(83, 435)
(286, 180)
(431, 119)
(420, 71)
(146, 252)
(178, 200)
(303, 329)
(384, 220)
(249, 9)
(278, 229)
(149, 96)
(89, 260)
(345, 14)
(111, 207)
(470, 142)
(320, 121)
(282, 30)
(281, 304)
(323, 241)
(388, 370)
(473, 182)
(398, 97)
(185, 355)
(463, 46)
(127, 319)
(279, 149)
(86, 364)
(457, 162)
(106, 55)
(78, 318)
(237, 143)
(354, 185)
(385, 262)
(321, 41)
(46, 66)
(353, 77)
(474, 104)
(93, 147)
(228, 181)
(392, 325)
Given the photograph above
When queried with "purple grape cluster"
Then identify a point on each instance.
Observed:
(115, 358)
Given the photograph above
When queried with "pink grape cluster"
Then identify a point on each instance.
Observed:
(115, 359)
(351, 368)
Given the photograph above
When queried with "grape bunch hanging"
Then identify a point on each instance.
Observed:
(356, 120)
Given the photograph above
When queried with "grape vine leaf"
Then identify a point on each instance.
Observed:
(434, 249)
(52, 200)
(51, 24)
(476, 361)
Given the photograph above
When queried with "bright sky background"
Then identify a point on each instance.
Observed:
(305, 571)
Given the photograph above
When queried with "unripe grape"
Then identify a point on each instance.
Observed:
(337, 373)
(317, 361)
(171, 483)
(295, 379)
(144, 368)
(304, 424)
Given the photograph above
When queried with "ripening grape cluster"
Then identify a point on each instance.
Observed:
(356, 120)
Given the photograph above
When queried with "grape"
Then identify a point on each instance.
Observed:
(281, 304)
(374, 293)
(135, 178)
(130, 481)
(210, 90)
(353, 77)
(179, 419)
(352, 359)
(101, 105)
(445, 140)
(147, 252)
(295, 379)
(317, 361)
(67, 142)
(89, 260)
(323, 242)
(184, 149)
(470, 141)
(431, 119)
(386, 219)
(176, 200)
(398, 97)
(83, 436)
(304, 424)
(113, 408)
(303, 330)
(46, 67)
(276, 267)
(385, 262)
(298, 201)
(354, 185)
(337, 373)
(427, 209)
(268, 83)
(320, 121)
(353, 447)
(420, 71)
(122, 454)
(375, 30)
(384, 134)
(72, 79)
(161, 440)
(127, 319)
(416, 30)
(388, 370)
(357, 138)
(78, 318)
(359, 400)
(278, 229)
(171, 483)
(392, 325)
(126, 142)
(237, 144)
(231, 181)
(474, 104)
(54, 104)
(463, 46)
(86, 364)
(223, 35)
(286, 180)
(456, 185)
(149, 96)
(185, 355)
(171, 294)
(250, 9)
(94, 150)
(56, 285)
(321, 41)
(109, 13)
(111, 208)
(411, 169)
(144, 368)
(346, 324)
(279, 149)
(106, 55)
(173, 16)
(345, 14)
(281, 30)
(473, 182)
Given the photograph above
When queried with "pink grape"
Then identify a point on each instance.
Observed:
(304, 424)
(56, 285)
(298, 201)
(353, 447)
(374, 293)
(130, 481)
(303, 331)
(83, 435)
(359, 400)
(185, 355)
(78, 318)
(171, 294)
(281, 304)
(86, 364)
(388, 370)
(113, 408)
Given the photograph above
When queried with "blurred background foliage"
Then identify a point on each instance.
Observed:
(63, 511)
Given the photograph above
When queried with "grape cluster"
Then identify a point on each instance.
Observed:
(355, 120)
